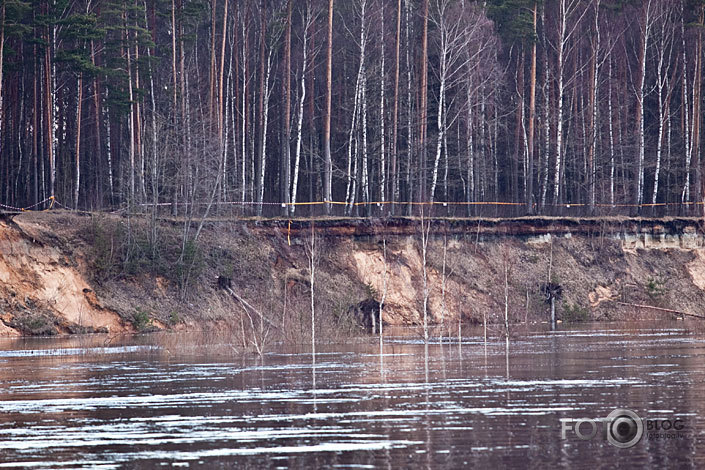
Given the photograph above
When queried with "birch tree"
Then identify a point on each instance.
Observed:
(594, 105)
(285, 167)
(308, 20)
(532, 114)
(664, 84)
(395, 112)
(328, 163)
(358, 125)
(570, 13)
(648, 16)
(382, 91)
(423, 106)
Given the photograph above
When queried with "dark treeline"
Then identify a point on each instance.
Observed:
(107, 103)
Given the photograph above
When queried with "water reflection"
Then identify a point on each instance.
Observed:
(77, 403)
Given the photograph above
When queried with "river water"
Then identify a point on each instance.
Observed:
(141, 402)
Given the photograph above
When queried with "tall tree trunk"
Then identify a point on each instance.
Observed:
(35, 123)
(173, 56)
(383, 162)
(131, 125)
(285, 168)
(79, 102)
(520, 141)
(469, 143)
(685, 195)
(262, 135)
(328, 163)
(611, 130)
(221, 98)
(315, 176)
(594, 76)
(532, 117)
(562, 39)
(424, 101)
(108, 147)
(640, 92)
(365, 155)
(409, 104)
(546, 89)
(213, 66)
(443, 53)
(237, 111)
(697, 102)
(98, 150)
(359, 115)
(154, 174)
(363, 100)
(350, 190)
(395, 116)
(302, 100)
(188, 164)
(138, 124)
(265, 123)
(245, 116)
(2, 55)
(49, 108)
(664, 84)
(175, 106)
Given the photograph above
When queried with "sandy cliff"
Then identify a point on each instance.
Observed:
(68, 273)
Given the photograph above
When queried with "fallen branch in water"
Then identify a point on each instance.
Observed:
(246, 305)
(668, 310)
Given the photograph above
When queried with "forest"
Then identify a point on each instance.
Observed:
(361, 107)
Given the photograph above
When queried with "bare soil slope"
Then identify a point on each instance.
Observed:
(63, 272)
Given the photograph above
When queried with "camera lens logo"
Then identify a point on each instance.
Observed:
(625, 428)
(621, 428)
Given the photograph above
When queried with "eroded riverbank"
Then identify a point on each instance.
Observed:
(64, 272)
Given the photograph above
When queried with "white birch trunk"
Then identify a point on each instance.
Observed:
(131, 197)
(244, 120)
(108, 147)
(595, 108)
(299, 129)
(663, 85)
(559, 121)
(685, 195)
(546, 120)
(155, 154)
(138, 129)
(2, 55)
(55, 111)
(567, 8)
(365, 157)
(640, 103)
(363, 97)
(483, 143)
(265, 119)
(470, 193)
(445, 150)
(224, 128)
(525, 141)
(611, 131)
(441, 105)
(350, 189)
(382, 156)
(79, 98)
(409, 102)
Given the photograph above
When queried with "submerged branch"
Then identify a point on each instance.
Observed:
(667, 310)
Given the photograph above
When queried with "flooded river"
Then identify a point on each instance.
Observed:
(135, 403)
